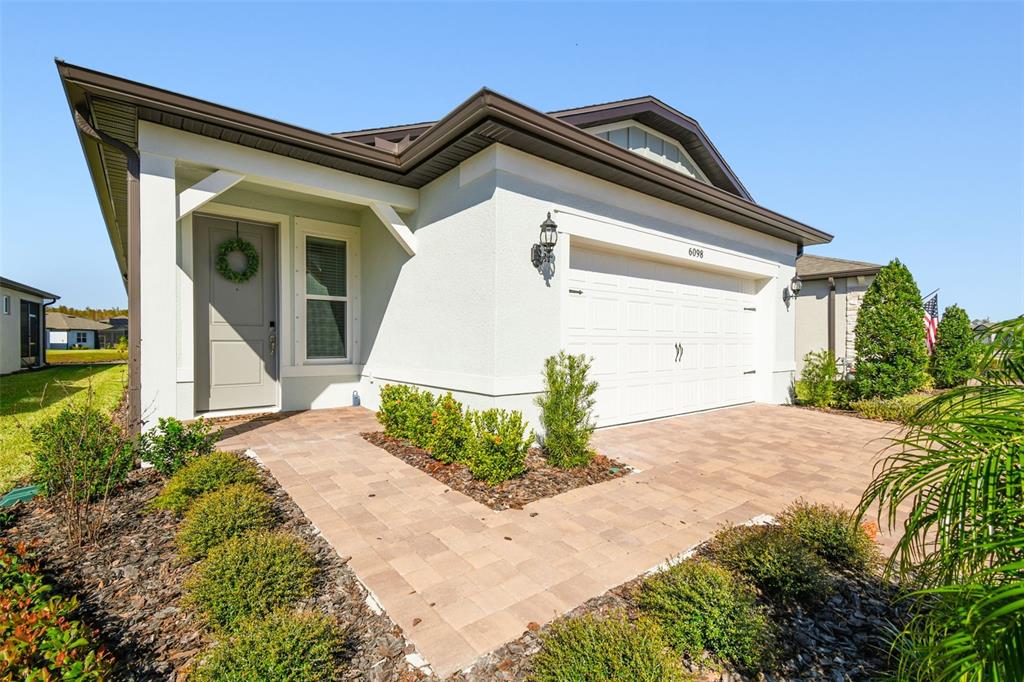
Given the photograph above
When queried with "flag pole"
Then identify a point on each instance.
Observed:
(929, 295)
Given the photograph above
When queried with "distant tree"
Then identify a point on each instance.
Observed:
(956, 349)
(892, 357)
(89, 312)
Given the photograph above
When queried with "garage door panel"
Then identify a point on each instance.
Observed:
(638, 316)
(638, 358)
(604, 314)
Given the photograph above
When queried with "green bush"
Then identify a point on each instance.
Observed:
(222, 514)
(393, 413)
(890, 336)
(203, 475)
(40, 637)
(499, 445)
(450, 431)
(781, 566)
(591, 649)
(565, 410)
(81, 454)
(420, 413)
(832, 533)
(249, 576)
(702, 607)
(287, 646)
(819, 379)
(171, 444)
(901, 409)
(956, 350)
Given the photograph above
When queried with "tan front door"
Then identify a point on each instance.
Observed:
(236, 322)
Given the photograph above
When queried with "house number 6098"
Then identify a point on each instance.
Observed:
(696, 253)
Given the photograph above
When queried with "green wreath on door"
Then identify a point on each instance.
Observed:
(252, 260)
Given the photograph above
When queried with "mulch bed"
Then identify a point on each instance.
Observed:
(540, 480)
(129, 586)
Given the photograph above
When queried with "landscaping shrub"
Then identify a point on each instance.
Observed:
(901, 409)
(702, 607)
(956, 350)
(565, 410)
(249, 576)
(420, 416)
(450, 431)
(393, 413)
(777, 562)
(890, 336)
(222, 514)
(287, 646)
(40, 638)
(499, 445)
(832, 533)
(203, 475)
(611, 649)
(171, 444)
(81, 456)
(819, 379)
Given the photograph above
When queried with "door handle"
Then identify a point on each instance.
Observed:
(679, 350)
(273, 344)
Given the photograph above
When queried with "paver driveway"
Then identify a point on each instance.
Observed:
(461, 579)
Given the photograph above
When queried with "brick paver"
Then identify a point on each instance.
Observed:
(461, 579)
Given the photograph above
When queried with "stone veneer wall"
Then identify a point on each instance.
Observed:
(854, 297)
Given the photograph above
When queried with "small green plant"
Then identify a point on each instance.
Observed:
(420, 414)
(222, 514)
(393, 413)
(203, 475)
(956, 350)
(781, 566)
(819, 378)
(249, 576)
(832, 533)
(702, 607)
(901, 409)
(450, 431)
(287, 646)
(171, 444)
(565, 410)
(40, 636)
(610, 649)
(499, 445)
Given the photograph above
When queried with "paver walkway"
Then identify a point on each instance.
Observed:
(461, 579)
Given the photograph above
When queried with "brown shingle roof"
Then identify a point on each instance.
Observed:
(63, 321)
(810, 266)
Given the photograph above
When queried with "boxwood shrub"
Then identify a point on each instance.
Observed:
(610, 649)
(287, 646)
(393, 413)
(901, 409)
(702, 607)
(832, 533)
(776, 561)
(172, 443)
(249, 576)
(499, 445)
(203, 475)
(222, 514)
(450, 431)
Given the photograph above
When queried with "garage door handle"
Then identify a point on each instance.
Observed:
(751, 371)
(575, 291)
(679, 351)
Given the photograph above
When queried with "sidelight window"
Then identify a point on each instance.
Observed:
(327, 299)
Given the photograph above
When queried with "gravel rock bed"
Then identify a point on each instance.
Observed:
(540, 480)
(129, 586)
(842, 639)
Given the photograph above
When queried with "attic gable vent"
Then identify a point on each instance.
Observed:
(646, 142)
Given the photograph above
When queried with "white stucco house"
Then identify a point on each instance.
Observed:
(22, 309)
(65, 331)
(827, 306)
(404, 254)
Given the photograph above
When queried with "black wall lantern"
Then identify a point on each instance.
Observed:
(543, 252)
(791, 292)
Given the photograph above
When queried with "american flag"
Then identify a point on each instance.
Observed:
(931, 321)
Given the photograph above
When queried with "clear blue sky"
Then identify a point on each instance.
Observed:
(897, 127)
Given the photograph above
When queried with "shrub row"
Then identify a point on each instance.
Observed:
(901, 409)
(492, 443)
(40, 638)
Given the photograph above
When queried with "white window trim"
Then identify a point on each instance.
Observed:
(7, 304)
(81, 337)
(308, 227)
(619, 125)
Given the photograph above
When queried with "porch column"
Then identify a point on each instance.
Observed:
(158, 287)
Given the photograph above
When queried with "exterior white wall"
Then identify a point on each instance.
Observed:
(10, 329)
(812, 317)
(60, 339)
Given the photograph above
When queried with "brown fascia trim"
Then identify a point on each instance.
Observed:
(485, 104)
(858, 272)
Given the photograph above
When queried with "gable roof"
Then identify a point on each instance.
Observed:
(811, 266)
(114, 106)
(62, 321)
(24, 288)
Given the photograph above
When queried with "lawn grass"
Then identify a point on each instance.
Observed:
(27, 398)
(73, 357)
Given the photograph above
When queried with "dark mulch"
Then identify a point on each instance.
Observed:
(540, 480)
(129, 585)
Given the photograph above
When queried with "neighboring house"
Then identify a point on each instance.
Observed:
(109, 338)
(70, 331)
(21, 325)
(828, 303)
(404, 254)
(981, 330)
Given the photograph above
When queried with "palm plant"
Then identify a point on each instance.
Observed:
(953, 484)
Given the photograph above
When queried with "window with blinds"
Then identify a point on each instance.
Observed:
(326, 298)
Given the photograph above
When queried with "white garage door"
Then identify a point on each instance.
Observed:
(665, 339)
